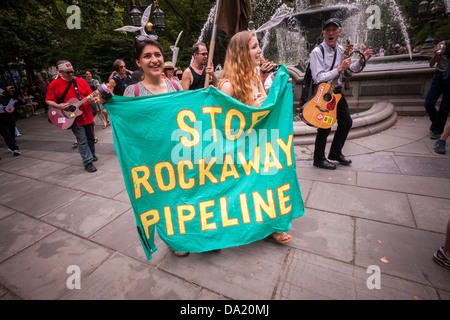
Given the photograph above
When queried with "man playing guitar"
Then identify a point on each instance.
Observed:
(324, 68)
(65, 87)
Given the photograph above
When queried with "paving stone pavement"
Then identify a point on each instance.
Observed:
(388, 211)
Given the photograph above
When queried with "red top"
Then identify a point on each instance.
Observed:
(56, 90)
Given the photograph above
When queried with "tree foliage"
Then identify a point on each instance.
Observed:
(34, 33)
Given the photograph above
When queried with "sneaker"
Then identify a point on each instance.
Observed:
(90, 167)
(434, 136)
(440, 146)
(441, 258)
(15, 152)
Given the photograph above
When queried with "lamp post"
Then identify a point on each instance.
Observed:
(434, 8)
(135, 15)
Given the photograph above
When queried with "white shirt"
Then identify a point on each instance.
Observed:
(320, 67)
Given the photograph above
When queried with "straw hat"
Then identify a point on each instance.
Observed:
(168, 65)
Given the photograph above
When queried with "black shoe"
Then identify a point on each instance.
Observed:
(90, 167)
(324, 164)
(94, 158)
(341, 159)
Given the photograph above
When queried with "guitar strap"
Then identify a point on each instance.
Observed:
(61, 99)
(74, 82)
(76, 88)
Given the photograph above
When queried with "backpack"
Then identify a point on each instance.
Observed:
(308, 86)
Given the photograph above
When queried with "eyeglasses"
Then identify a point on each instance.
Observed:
(143, 37)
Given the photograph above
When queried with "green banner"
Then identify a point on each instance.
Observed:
(205, 170)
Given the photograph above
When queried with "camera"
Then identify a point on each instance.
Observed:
(274, 69)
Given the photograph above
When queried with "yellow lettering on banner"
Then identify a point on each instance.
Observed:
(169, 222)
(205, 215)
(251, 164)
(226, 222)
(270, 153)
(159, 176)
(287, 148)
(228, 162)
(282, 199)
(244, 208)
(228, 118)
(212, 112)
(182, 218)
(186, 128)
(205, 172)
(138, 181)
(148, 219)
(260, 205)
(181, 174)
(257, 117)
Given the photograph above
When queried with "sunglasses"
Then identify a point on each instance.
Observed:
(203, 54)
(69, 72)
(143, 37)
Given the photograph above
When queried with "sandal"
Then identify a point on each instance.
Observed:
(75, 145)
(104, 126)
(95, 140)
(281, 237)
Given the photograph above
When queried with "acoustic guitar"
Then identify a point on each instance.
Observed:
(320, 111)
(63, 119)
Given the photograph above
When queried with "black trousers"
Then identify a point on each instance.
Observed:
(7, 130)
(344, 122)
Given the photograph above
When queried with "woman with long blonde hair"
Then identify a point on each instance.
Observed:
(241, 80)
(240, 77)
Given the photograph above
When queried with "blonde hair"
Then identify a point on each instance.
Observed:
(238, 68)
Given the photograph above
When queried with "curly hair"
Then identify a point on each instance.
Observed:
(238, 68)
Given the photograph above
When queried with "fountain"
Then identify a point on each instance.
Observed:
(379, 93)
(376, 95)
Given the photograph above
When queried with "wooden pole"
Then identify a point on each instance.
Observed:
(212, 44)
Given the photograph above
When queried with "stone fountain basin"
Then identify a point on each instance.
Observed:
(379, 117)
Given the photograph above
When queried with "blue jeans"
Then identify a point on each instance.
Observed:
(438, 117)
(85, 140)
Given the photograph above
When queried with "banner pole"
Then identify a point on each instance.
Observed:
(212, 44)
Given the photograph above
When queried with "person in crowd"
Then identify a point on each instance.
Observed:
(43, 87)
(439, 87)
(179, 73)
(241, 80)
(324, 68)
(194, 76)
(95, 75)
(65, 87)
(97, 108)
(8, 124)
(442, 255)
(121, 79)
(168, 74)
